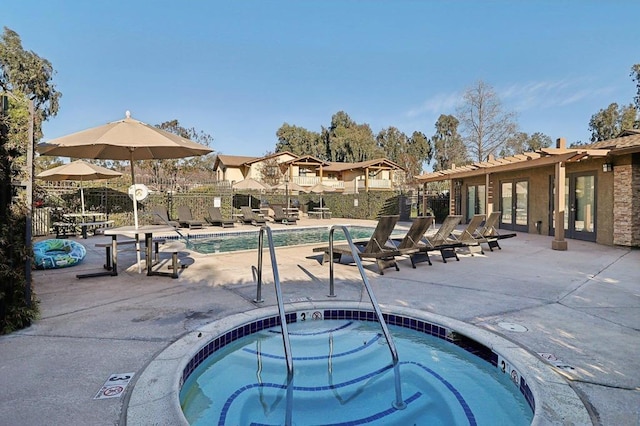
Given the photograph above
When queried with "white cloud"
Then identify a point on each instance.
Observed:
(440, 103)
(548, 94)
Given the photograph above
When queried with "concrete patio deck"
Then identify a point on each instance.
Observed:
(582, 306)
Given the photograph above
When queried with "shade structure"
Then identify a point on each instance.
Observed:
(126, 139)
(251, 184)
(319, 188)
(78, 170)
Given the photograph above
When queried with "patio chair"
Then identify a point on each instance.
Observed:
(441, 241)
(215, 218)
(376, 248)
(490, 231)
(160, 216)
(186, 220)
(280, 216)
(409, 245)
(470, 237)
(248, 216)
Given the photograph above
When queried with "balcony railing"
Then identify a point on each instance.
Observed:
(306, 180)
(375, 184)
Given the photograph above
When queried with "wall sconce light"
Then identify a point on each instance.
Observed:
(607, 167)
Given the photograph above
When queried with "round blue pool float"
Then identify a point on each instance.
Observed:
(56, 253)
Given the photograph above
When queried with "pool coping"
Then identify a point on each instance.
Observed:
(154, 396)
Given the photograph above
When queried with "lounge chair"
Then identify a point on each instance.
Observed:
(490, 231)
(441, 241)
(186, 220)
(280, 216)
(215, 218)
(470, 237)
(248, 216)
(160, 216)
(376, 248)
(410, 244)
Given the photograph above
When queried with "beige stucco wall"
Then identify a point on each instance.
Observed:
(539, 195)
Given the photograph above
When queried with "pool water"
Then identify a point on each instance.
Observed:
(343, 376)
(227, 242)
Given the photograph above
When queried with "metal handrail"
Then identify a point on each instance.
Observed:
(283, 320)
(399, 402)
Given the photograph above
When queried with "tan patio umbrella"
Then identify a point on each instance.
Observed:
(126, 139)
(251, 185)
(319, 188)
(291, 186)
(78, 170)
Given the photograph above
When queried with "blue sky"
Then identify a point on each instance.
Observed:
(238, 70)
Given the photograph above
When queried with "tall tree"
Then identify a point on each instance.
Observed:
(167, 172)
(24, 77)
(25, 74)
(408, 152)
(608, 123)
(484, 124)
(348, 141)
(635, 76)
(300, 141)
(522, 142)
(447, 143)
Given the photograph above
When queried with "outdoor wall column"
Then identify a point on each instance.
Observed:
(559, 243)
(366, 179)
(488, 199)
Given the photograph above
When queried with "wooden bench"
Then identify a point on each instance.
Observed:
(84, 226)
(317, 215)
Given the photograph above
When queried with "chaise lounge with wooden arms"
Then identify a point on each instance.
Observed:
(441, 241)
(470, 237)
(410, 245)
(490, 231)
(375, 249)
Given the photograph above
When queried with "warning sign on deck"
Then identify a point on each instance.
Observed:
(114, 386)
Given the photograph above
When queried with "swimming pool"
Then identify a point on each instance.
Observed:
(343, 376)
(248, 240)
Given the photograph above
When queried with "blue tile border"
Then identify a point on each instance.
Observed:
(460, 340)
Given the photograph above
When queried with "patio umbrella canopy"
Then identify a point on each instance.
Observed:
(319, 188)
(251, 185)
(78, 170)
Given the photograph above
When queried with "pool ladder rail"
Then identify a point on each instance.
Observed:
(399, 402)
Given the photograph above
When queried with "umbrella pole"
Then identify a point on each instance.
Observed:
(135, 212)
(82, 196)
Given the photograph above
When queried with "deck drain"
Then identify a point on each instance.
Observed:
(512, 326)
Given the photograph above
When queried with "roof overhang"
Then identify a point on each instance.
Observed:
(528, 160)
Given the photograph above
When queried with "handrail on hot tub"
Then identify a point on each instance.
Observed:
(283, 320)
(399, 403)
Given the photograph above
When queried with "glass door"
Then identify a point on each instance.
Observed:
(514, 204)
(580, 214)
(475, 200)
(580, 207)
